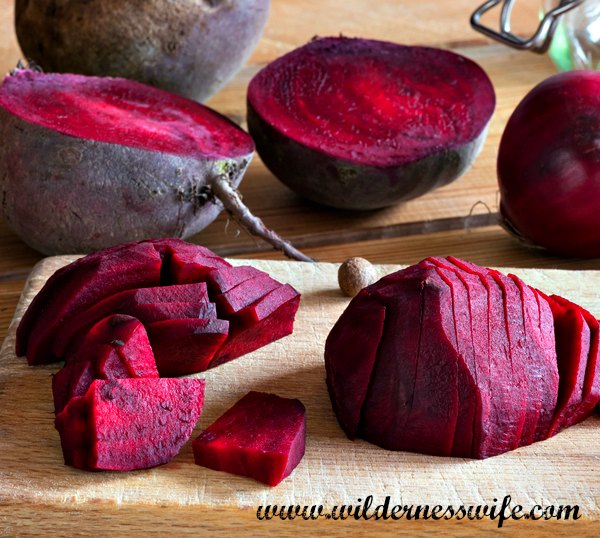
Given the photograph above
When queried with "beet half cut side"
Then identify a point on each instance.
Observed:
(129, 424)
(262, 437)
(186, 160)
(363, 124)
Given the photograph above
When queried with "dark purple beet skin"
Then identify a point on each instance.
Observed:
(262, 436)
(549, 165)
(363, 124)
(460, 360)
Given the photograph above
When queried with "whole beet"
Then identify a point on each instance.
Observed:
(189, 47)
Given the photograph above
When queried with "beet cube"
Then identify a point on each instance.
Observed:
(129, 424)
(262, 437)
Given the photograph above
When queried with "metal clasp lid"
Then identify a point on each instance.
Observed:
(538, 42)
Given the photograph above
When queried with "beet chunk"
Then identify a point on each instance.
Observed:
(117, 347)
(129, 424)
(79, 285)
(259, 324)
(363, 124)
(186, 346)
(262, 436)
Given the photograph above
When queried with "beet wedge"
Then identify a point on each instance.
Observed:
(146, 304)
(186, 346)
(129, 424)
(262, 437)
(269, 319)
(117, 347)
(363, 124)
(76, 287)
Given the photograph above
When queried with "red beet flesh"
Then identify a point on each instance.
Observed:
(362, 124)
(549, 165)
(129, 424)
(449, 358)
(124, 112)
(262, 436)
(116, 347)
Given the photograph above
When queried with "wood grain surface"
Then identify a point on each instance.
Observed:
(562, 470)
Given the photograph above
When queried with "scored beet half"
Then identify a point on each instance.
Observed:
(449, 358)
(89, 162)
(262, 436)
(363, 124)
(549, 166)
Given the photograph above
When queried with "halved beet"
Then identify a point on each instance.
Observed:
(186, 346)
(146, 304)
(262, 436)
(437, 363)
(89, 162)
(129, 424)
(116, 347)
(363, 124)
(76, 287)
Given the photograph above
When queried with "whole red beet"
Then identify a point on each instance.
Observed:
(549, 165)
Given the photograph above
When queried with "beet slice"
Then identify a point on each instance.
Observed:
(146, 304)
(350, 355)
(186, 346)
(363, 124)
(117, 347)
(477, 299)
(509, 403)
(224, 279)
(174, 163)
(129, 424)
(469, 395)
(541, 367)
(573, 346)
(244, 294)
(267, 320)
(416, 352)
(262, 437)
(522, 365)
(76, 287)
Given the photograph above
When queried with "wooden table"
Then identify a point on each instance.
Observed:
(459, 219)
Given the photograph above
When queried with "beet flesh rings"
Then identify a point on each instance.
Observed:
(363, 124)
(452, 359)
(238, 310)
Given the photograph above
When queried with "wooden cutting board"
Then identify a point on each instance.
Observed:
(334, 471)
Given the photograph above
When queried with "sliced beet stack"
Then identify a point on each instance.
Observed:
(128, 424)
(198, 310)
(449, 358)
(363, 124)
(262, 436)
